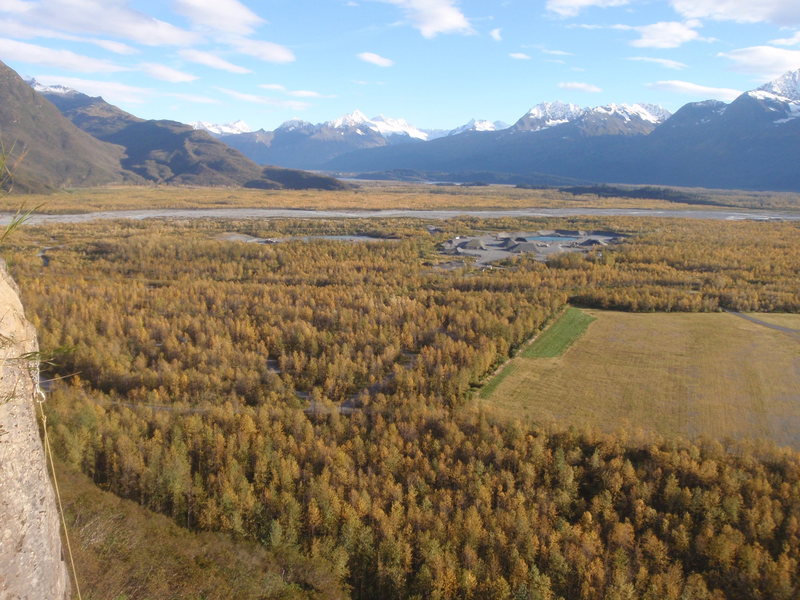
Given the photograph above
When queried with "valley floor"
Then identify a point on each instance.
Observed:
(376, 196)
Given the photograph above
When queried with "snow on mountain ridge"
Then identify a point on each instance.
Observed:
(555, 111)
(550, 114)
(780, 96)
(387, 126)
(353, 119)
(478, 125)
(295, 124)
(50, 89)
(646, 112)
(222, 129)
(787, 86)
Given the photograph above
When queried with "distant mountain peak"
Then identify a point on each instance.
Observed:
(549, 114)
(50, 89)
(786, 86)
(353, 119)
(294, 124)
(479, 125)
(555, 109)
(223, 129)
(652, 113)
(385, 126)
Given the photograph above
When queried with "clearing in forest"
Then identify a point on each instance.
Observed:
(555, 340)
(552, 342)
(676, 373)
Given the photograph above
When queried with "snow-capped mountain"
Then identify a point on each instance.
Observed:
(386, 126)
(548, 114)
(551, 114)
(780, 97)
(479, 125)
(223, 129)
(750, 143)
(652, 113)
(787, 86)
(354, 119)
(49, 89)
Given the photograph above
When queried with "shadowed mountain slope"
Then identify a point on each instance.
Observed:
(54, 152)
(169, 152)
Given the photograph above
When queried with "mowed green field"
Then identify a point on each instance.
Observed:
(691, 374)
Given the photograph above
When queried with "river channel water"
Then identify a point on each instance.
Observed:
(284, 213)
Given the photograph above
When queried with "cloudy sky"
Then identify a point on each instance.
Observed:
(437, 63)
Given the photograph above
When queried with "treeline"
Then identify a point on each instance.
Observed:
(198, 362)
(692, 266)
(644, 192)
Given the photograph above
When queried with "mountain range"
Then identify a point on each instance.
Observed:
(58, 137)
(69, 138)
(301, 144)
(752, 142)
(306, 145)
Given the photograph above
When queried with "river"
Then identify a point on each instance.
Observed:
(286, 213)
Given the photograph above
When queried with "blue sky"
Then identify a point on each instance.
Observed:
(436, 63)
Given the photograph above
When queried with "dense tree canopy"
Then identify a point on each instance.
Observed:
(311, 395)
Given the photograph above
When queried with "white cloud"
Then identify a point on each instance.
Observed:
(795, 39)
(579, 86)
(664, 62)
(556, 52)
(105, 17)
(111, 46)
(570, 8)
(305, 94)
(165, 73)
(116, 93)
(375, 59)
(495, 35)
(699, 91)
(277, 87)
(780, 12)
(64, 59)
(245, 97)
(230, 16)
(266, 51)
(519, 56)
(766, 62)
(15, 29)
(195, 99)
(432, 17)
(667, 34)
(15, 6)
(211, 60)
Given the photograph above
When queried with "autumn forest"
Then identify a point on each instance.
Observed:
(314, 397)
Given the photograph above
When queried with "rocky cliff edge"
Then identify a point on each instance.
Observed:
(31, 564)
